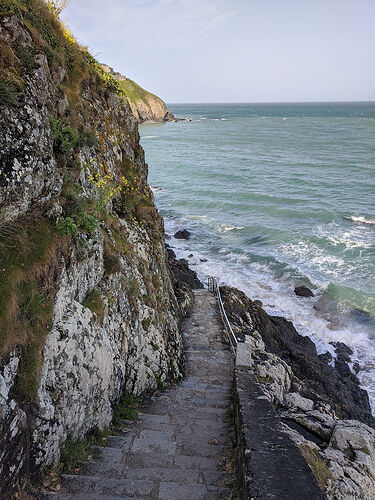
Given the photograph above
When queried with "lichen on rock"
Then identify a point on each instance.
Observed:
(101, 283)
(323, 409)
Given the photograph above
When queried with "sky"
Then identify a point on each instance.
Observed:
(234, 50)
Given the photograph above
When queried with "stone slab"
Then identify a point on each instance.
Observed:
(272, 462)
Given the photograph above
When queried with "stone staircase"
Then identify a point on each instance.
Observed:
(179, 446)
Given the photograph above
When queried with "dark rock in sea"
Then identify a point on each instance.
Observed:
(318, 381)
(326, 357)
(167, 236)
(343, 351)
(203, 260)
(303, 291)
(181, 271)
(356, 367)
(183, 234)
(190, 255)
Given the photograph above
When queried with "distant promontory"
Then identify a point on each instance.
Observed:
(146, 107)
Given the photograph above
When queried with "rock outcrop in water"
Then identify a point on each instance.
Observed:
(322, 407)
(146, 107)
(88, 307)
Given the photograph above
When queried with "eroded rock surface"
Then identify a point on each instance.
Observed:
(179, 447)
(321, 407)
(66, 125)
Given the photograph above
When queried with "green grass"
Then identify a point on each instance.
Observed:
(95, 303)
(126, 409)
(135, 92)
(28, 255)
(75, 451)
(9, 93)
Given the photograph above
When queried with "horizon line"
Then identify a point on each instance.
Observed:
(272, 102)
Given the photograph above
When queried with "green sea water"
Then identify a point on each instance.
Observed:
(277, 195)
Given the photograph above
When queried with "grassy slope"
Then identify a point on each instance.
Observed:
(136, 93)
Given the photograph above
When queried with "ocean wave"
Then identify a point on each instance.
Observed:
(149, 136)
(360, 219)
(224, 228)
(339, 234)
(259, 282)
(155, 188)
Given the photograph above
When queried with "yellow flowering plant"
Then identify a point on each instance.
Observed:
(106, 184)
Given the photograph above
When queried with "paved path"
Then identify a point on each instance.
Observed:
(177, 448)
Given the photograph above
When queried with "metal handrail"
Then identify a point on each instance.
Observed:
(213, 287)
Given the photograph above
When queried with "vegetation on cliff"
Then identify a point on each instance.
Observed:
(145, 106)
(30, 246)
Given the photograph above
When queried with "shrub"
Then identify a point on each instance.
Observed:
(86, 223)
(27, 57)
(57, 6)
(64, 137)
(86, 138)
(9, 93)
(67, 227)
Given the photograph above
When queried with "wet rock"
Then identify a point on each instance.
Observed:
(182, 272)
(326, 357)
(320, 382)
(183, 234)
(203, 260)
(356, 367)
(343, 351)
(303, 291)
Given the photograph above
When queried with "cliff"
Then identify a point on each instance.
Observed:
(88, 308)
(146, 107)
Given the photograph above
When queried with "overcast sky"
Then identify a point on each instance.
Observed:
(235, 50)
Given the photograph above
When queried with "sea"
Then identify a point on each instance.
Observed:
(276, 196)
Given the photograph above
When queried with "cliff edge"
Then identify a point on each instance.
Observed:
(146, 107)
(88, 308)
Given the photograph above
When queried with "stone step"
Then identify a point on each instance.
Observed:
(175, 491)
(107, 486)
(102, 469)
(84, 496)
(148, 460)
(177, 447)
(171, 407)
(154, 473)
(108, 455)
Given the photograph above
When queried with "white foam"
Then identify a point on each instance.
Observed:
(224, 228)
(360, 219)
(278, 298)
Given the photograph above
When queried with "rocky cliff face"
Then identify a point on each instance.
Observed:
(87, 302)
(146, 107)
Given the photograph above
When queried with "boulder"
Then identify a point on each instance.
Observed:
(183, 234)
(303, 291)
(181, 271)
